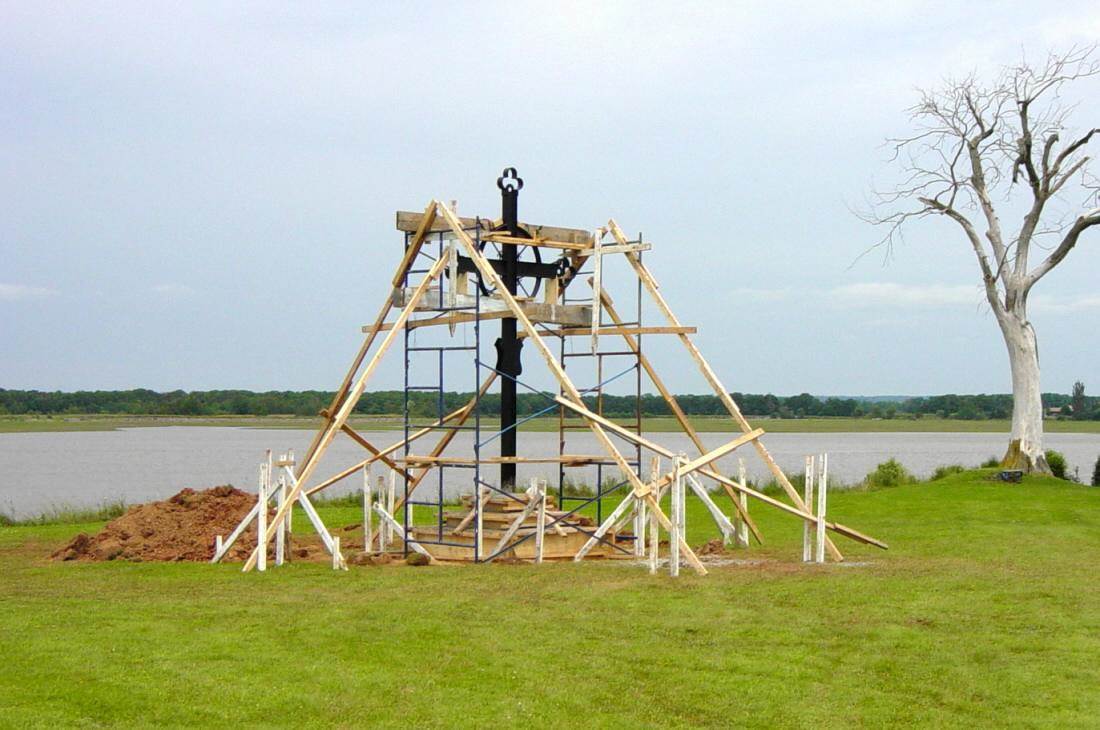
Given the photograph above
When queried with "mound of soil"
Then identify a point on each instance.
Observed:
(714, 546)
(180, 528)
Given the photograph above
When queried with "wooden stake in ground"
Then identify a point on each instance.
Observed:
(261, 529)
(808, 495)
(368, 513)
(743, 508)
(822, 487)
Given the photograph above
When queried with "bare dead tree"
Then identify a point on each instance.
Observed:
(980, 150)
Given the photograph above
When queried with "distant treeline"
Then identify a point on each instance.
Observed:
(426, 404)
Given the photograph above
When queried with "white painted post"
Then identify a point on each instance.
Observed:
(391, 501)
(383, 526)
(654, 535)
(217, 545)
(821, 489)
(639, 528)
(280, 530)
(479, 526)
(540, 527)
(677, 505)
(743, 503)
(368, 513)
(261, 520)
(290, 512)
(808, 497)
(336, 558)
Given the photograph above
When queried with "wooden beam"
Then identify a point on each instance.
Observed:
(409, 221)
(581, 331)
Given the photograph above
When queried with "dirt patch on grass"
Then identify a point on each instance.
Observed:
(180, 528)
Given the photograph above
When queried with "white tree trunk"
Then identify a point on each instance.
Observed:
(1025, 449)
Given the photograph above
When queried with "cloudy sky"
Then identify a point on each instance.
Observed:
(201, 195)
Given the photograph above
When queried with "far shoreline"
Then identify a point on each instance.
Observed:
(704, 424)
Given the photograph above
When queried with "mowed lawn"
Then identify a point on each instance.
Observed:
(985, 611)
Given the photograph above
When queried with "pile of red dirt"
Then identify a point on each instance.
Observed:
(714, 546)
(180, 528)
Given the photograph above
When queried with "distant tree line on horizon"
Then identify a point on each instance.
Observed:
(427, 405)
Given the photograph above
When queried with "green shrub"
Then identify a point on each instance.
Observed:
(947, 470)
(889, 473)
(1056, 460)
(1096, 473)
(991, 463)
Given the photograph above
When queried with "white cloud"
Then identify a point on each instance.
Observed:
(878, 294)
(1063, 305)
(21, 293)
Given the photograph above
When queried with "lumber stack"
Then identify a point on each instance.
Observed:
(561, 540)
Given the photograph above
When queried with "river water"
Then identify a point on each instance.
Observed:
(42, 470)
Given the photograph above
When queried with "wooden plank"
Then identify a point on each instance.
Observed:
(566, 383)
(409, 221)
(723, 395)
(506, 239)
(808, 498)
(604, 331)
(490, 308)
(822, 488)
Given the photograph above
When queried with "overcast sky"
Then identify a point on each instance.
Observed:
(201, 195)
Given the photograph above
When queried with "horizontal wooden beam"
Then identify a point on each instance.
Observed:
(579, 331)
(538, 312)
(409, 222)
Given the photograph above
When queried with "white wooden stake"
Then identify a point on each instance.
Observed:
(383, 526)
(391, 501)
(640, 519)
(479, 526)
(261, 524)
(654, 534)
(217, 545)
(280, 530)
(808, 498)
(674, 518)
(337, 559)
(821, 489)
(743, 502)
(540, 526)
(290, 512)
(368, 514)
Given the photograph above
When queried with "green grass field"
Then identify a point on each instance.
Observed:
(27, 424)
(985, 611)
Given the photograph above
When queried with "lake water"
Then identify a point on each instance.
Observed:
(39, 470)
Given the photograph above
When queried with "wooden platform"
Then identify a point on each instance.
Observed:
(498, 514)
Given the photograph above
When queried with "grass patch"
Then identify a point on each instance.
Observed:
(68, 515)
(984, 612)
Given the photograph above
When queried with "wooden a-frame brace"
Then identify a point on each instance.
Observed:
(647, 493)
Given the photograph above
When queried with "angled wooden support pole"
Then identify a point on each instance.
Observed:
(719, 390)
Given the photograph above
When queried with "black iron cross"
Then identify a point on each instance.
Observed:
(511, 270)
